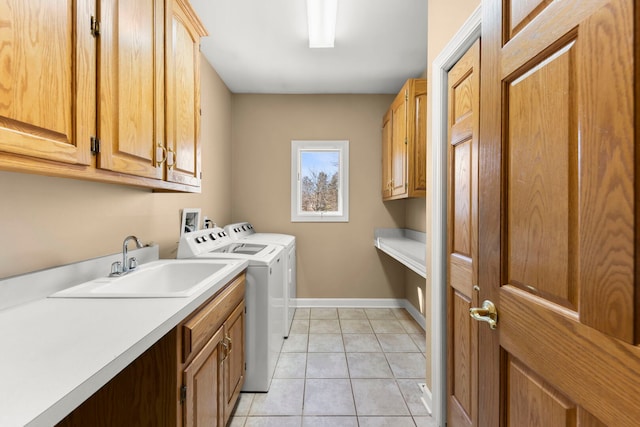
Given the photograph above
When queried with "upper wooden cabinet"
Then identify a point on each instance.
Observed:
(78, 81)
(131, 86)
(404, 160)
(47, 103)
(183, 94)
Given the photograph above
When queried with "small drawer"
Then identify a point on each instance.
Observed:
(207, 320)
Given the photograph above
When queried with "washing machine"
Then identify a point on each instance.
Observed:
(244, 231)
(263, 296)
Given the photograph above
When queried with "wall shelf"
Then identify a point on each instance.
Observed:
(408, 247)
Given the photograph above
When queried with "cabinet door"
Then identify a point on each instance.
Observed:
(234, 362)
(203, 405)
(387, 153)
(183, 95)
(399, 138)
(47, 89)
(418, 156)
(131, 86)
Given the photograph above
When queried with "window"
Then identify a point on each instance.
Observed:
(320, 181)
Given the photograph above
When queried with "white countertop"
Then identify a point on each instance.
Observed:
(404, 245)
(56, 353)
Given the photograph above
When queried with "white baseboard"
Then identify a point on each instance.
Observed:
(417, 316)
(362, 303)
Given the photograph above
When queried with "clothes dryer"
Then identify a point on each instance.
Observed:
(246, 232)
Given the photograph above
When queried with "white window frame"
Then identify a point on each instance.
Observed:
(297, 148)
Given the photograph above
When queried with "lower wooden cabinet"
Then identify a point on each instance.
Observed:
(213, 376)
(202, 391)
(233, 368)
(191, 377)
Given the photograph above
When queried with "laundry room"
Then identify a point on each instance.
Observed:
(58, 210)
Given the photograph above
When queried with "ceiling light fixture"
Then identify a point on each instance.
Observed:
(321, 16)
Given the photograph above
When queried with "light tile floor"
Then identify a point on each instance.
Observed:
(344, 368)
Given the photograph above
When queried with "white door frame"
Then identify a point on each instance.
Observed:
(453, 51)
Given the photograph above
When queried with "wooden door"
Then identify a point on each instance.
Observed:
(399, 143)
(47, 75)
(387, 153)
(558, 213)
(131, 87)
(203, 404)
(462, 248)
(234, 362)
(183, 95)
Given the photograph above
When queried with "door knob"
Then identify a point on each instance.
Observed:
(486, 313)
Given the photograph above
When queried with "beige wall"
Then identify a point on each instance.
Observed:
(48, 221)
(335, 260)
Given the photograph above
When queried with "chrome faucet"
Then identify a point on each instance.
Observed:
(120, 268)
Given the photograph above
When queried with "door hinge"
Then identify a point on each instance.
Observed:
(183, 393)
(406, 95)
(245, 366)
(95, 26)
(405, 141)
(95, 145)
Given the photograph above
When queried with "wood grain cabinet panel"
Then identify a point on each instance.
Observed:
(47, 90)
(404, 143)
(131, 86)
(202, 379)
(387, 152)
(233, 365)
(183, 34)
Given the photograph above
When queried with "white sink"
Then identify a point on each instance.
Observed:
(157, 279)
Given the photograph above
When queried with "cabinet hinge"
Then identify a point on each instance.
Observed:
(95, 26)
(406, 95)
(95, 145)
(183, 393)
(245, 366)
(405, 141)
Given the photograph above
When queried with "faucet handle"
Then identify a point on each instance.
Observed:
(116, 268)
(133, 263)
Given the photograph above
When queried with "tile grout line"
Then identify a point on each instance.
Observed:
(367, 316)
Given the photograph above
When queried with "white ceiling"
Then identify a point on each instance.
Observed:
(261, 46)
